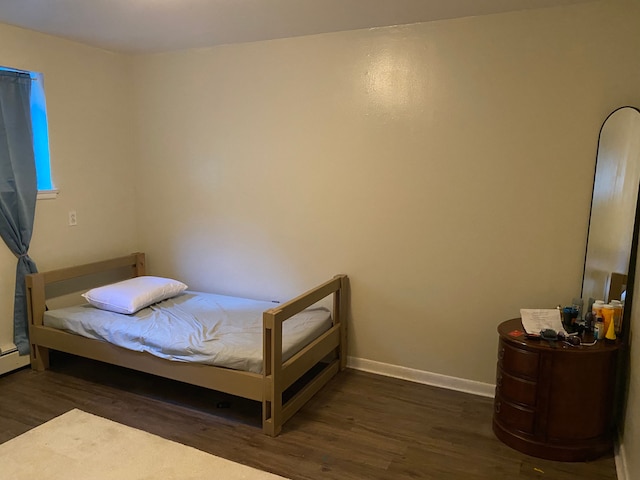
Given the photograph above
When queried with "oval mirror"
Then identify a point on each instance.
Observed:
(609, 265)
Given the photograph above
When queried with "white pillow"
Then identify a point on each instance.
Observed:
(131, 295)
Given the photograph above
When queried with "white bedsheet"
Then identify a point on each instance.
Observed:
(194, 327)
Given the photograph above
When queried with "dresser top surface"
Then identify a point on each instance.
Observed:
(512, 331)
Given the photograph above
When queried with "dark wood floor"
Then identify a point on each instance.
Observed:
(361, 426)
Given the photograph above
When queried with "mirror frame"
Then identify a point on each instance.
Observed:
(633, 254)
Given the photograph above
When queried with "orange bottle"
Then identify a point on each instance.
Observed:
(607, 316)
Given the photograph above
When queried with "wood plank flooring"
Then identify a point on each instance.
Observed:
(361, 426)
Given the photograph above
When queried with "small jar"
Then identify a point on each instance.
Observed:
(598, 329)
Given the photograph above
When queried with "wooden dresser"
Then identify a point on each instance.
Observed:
(554, 401)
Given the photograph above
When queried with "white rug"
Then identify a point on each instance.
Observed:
(81, 446)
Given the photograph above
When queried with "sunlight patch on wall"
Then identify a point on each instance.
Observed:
(392, 81)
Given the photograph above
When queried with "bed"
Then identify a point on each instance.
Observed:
(264, 378)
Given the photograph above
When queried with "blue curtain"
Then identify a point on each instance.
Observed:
(18, 188)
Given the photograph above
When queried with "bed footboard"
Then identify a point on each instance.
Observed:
(279, 376)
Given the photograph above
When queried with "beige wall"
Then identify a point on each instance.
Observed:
(446, 167)
(88, 100)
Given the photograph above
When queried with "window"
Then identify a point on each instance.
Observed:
(40, 135)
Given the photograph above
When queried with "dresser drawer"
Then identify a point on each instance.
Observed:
(518, 362)
(514, 389)
(514, 417)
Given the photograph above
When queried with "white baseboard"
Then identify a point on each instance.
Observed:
(620, 456)
(13, 361)
(420, 376)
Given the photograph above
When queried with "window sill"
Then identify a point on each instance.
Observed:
(47, 194)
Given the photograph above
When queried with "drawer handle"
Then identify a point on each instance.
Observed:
(501, 354)
(499, 381)
(498, 407)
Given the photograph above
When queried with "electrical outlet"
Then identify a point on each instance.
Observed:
(73, 218)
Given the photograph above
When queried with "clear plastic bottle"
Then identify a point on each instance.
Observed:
(617, 315)
(578, 305)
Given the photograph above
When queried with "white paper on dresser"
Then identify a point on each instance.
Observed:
(534, 320)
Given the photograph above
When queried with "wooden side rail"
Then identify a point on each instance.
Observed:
(244, 384)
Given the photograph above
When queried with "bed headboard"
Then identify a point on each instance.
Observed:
(42, 286)
(135, 261)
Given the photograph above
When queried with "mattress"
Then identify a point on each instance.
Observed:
(194, 327)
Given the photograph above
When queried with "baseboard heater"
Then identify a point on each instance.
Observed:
(10, 359)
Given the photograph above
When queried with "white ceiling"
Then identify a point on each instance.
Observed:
(147, 26)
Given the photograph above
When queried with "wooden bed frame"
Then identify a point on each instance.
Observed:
(267, 387)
